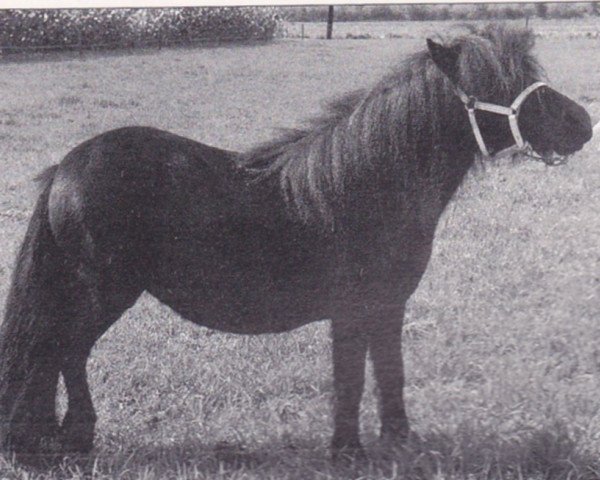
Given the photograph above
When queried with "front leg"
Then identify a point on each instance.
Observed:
(349, 357)
(385, 347)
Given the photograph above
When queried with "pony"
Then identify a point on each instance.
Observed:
(335, 221)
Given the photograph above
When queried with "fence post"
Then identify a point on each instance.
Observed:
(330, 22)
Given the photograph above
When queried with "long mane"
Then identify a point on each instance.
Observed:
(404, 130)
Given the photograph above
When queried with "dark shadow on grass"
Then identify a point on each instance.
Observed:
(142, 51)
(549, 453)
(193, 455)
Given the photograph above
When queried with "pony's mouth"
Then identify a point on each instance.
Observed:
(550, 157)
(556, 154)
(554, 158)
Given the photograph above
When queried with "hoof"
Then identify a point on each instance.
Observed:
(41, 452)
(395, 434)
(26, 440)
(395, 438)
(76, 444)
(348, 453)
(76, 437)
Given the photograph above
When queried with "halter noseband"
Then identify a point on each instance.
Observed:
(512, 112)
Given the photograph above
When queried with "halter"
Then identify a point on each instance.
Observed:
(512, 112)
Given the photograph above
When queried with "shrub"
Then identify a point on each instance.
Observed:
(443, 13)
(566, 11)
(117, 28)
(512, 13)
(541, 10)
(382, 13)
(306, 14)
(481, 12)
(419, 13)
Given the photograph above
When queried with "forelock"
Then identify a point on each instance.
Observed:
(496, 60)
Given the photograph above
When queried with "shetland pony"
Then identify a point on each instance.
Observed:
(336, 221)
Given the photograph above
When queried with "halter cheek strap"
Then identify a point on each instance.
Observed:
(512, 112)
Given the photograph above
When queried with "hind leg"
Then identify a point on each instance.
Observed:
(31, 425)
(77, 429)
(106, 298)
(31, 340)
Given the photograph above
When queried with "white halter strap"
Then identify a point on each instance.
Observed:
(512, 112)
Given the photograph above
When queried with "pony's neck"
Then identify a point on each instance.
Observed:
(379, 158)
(388, 161)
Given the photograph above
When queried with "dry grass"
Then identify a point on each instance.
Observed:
(501, 343)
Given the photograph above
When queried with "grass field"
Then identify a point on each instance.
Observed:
(501, 344)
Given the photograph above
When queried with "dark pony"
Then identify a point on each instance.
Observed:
(336, 221)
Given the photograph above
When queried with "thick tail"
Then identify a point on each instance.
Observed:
(32, 335)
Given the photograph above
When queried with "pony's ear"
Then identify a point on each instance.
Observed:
(446, 58)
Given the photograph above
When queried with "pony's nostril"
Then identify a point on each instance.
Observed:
(586, 132)
(579, 124)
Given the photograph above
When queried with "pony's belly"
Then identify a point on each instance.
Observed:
(261, 310)
(242, 279)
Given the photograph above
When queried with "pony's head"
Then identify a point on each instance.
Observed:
(498, 81)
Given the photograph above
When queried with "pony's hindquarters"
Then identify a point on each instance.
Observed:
(64, 295)
(32, 337)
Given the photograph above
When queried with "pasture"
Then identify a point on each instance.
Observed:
(500, 342)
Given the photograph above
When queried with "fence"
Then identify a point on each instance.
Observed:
(158, 44)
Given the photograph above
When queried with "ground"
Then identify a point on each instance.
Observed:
(502, 358)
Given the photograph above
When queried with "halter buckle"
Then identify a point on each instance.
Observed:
(471, 103)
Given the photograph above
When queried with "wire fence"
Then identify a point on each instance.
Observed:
(158, 44)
